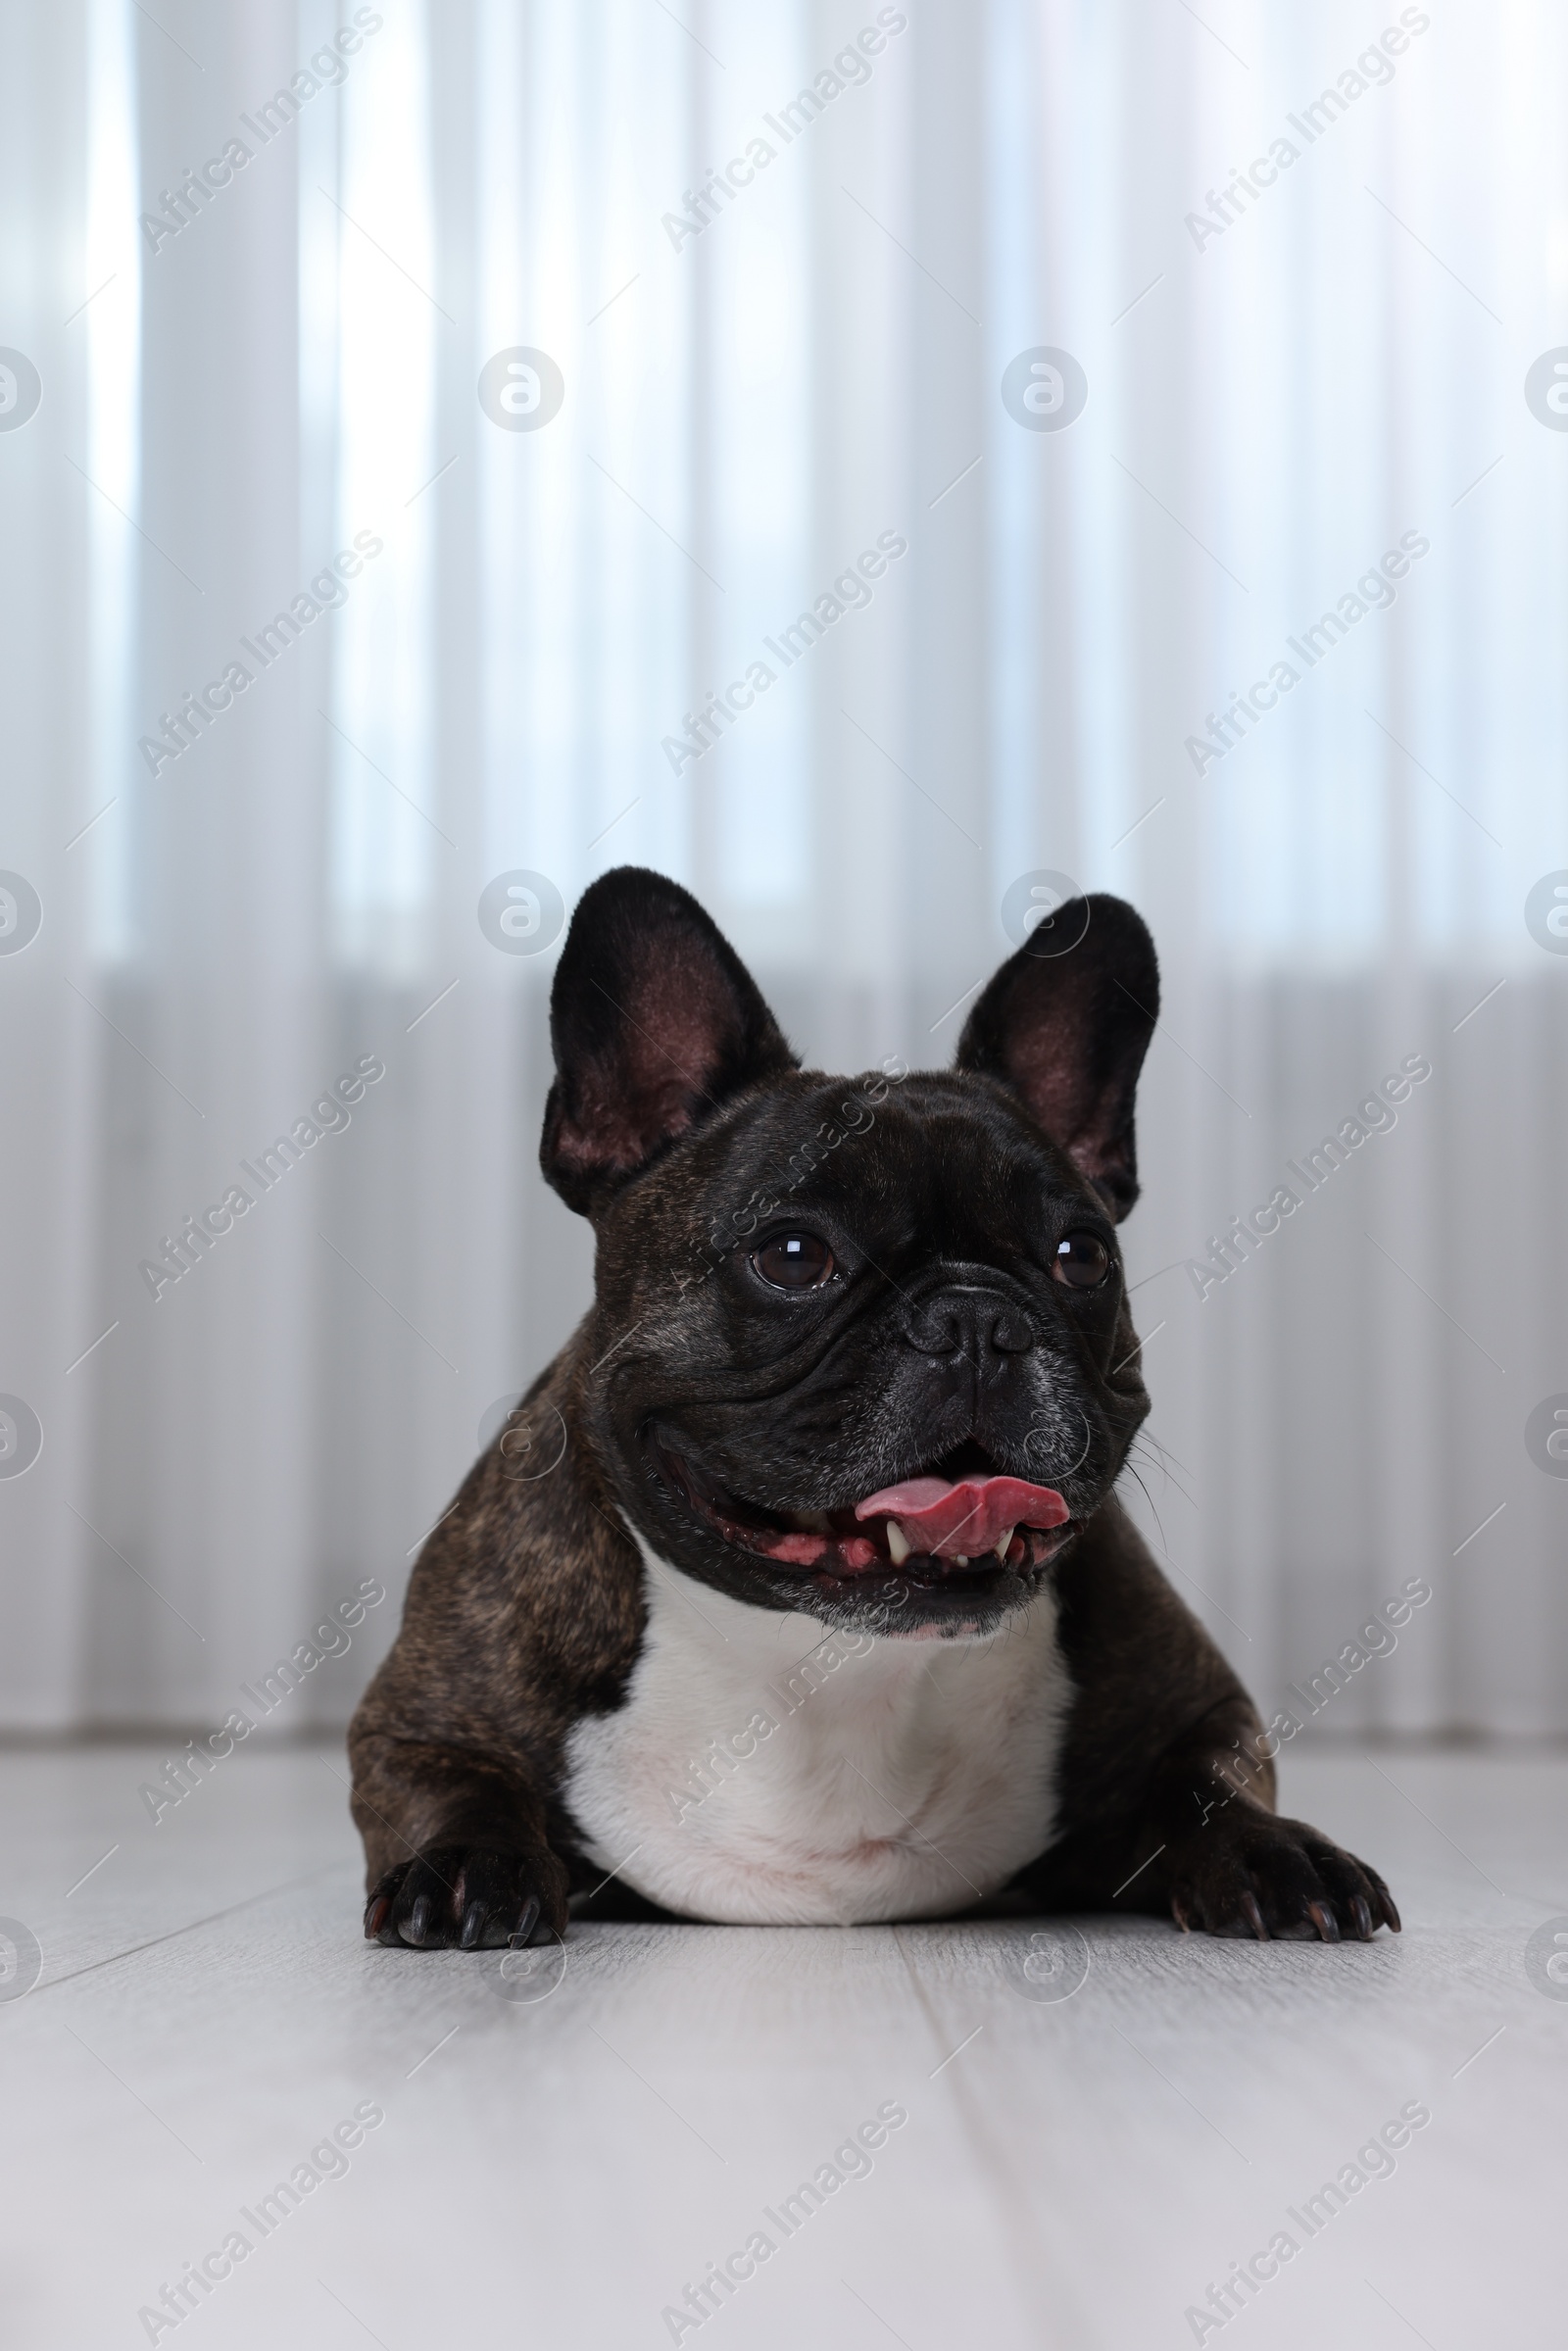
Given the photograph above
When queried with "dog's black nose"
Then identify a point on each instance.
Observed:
(974, 1323)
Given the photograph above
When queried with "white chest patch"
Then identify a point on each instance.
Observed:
(762, 1773)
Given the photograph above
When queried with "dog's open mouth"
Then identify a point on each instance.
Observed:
(961, 1518)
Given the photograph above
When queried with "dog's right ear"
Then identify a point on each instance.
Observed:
(654, 1020)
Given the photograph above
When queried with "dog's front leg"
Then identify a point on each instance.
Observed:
(456, 1847)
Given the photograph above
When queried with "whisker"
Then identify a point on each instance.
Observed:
(1154, 1508)
(1165, 1472)
(1147, 1436)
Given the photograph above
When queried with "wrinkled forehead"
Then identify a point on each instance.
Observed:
(948, 1156)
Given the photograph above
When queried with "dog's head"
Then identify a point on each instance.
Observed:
(860, 1347)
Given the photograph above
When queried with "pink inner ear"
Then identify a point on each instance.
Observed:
(608, 1135)
(1047, 1073)
(1045, 1070)
(684, 1021)
(676, 1028)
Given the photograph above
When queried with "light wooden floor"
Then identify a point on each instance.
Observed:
(553, 2172)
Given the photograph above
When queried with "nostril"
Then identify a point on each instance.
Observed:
(1010, 1335)
(936, 1335)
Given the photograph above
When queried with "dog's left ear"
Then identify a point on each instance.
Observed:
(654, 1019)
(1066, 1026)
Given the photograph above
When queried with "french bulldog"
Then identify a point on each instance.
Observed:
(797, 1590)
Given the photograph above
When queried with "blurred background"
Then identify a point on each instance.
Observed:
(609, 352)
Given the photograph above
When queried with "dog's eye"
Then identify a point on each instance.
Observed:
(794, 1262)
(1082, 1260)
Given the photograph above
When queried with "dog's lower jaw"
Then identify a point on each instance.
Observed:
(867, 1576)
(762, 1773)
(952, 1603)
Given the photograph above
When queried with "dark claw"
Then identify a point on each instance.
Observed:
(527, 1923)
(1324, 1920)
(472, 1926)
(419, 1920)
(375, 1915)
(1362, 1917)
(1254, 1917)
(1381, 1903)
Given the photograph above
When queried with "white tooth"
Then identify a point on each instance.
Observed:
(897, 1542)
(1001, 1547)
(961, 1559)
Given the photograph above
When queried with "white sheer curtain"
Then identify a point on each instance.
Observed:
(1276, 400)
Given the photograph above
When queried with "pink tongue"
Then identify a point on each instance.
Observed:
(967, 1519)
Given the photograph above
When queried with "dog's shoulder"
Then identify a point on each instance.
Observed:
(525, 1607)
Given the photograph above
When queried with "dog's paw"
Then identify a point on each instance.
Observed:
(1248, 1872)
(469, 1896)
